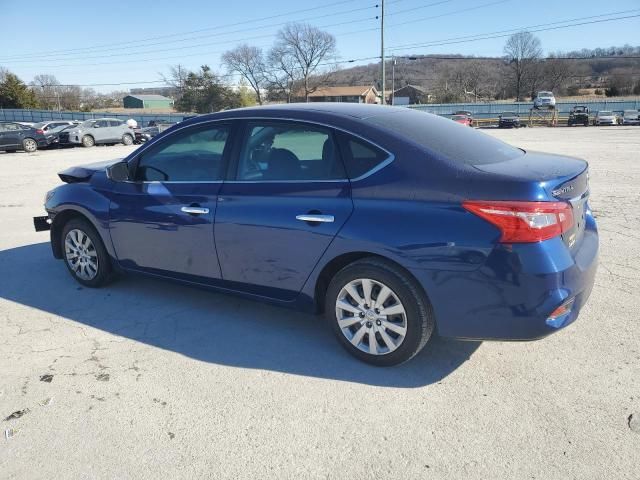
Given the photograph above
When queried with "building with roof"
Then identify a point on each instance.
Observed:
(349, 94)
(409, 95)
(147, 101)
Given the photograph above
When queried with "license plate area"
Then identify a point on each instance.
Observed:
(42, 224)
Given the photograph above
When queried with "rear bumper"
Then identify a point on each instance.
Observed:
(513, 294)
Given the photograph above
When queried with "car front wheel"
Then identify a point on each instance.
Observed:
(127, 139)
(378, 312)
(84, 254)
(88, 141)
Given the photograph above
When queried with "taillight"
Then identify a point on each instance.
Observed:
(41, 132)
(523, 222)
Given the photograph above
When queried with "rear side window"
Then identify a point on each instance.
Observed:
(115, 123)
(360, 157)
(446, 138)
(102, 123)
(275, 151)
(194, 155)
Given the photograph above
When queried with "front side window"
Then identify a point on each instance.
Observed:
(193, 155)
(287, 152)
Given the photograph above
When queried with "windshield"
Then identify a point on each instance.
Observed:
(605, 113)
(545, 94)
(630, 112)
(509, 114)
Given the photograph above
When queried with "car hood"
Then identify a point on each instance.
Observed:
(83, 173)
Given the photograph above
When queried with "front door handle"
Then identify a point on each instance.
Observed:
(309, 217)
(195, 210)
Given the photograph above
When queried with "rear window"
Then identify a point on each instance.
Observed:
(443, 137)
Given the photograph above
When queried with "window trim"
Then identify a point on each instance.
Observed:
(237, 130)
(243, 136)
(228, 148)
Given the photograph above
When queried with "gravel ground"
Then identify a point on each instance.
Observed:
(154, 380)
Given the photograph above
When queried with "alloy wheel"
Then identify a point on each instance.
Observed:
(30, 145)
(371, 316)
(81, 254)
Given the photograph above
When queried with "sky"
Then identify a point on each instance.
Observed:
(133, 43)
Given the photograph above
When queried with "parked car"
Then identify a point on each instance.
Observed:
(15, 136)
(509, 120)
(94, 132)
(579, 115)
(52, 127)
(463, 120)
(605, 117)
(143, 135)
(631, 117)
(544, 100)
(395, 223)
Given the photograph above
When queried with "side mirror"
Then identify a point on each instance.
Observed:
(118, 172)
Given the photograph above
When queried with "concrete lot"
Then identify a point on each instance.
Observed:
(154, 380)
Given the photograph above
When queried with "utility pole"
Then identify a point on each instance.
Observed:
(382, 47)
(393, 80)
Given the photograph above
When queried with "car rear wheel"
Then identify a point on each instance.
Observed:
(88, 141)
(29, 145)
(378, 312)
(127, 139)
(85, 255)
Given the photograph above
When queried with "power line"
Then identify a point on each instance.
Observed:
(487, 36)
(30, 58)
(218, 27)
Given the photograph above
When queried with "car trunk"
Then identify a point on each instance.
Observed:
(562, 179)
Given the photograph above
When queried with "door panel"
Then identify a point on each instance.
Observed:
(162, 222)
(261, 243)
(150, 231)
(284, 170)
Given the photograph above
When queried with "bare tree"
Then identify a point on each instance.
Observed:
(523, 51)
(176, 79)
(307, 47)
(3, 74)
(248, 62)
(282, 73)
(47, 90)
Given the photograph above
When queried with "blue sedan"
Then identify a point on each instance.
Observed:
(396, 224)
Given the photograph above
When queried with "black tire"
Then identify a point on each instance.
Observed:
(88, 141)
(127, 139)
(420, 321)
(104, 271)
(29, 145)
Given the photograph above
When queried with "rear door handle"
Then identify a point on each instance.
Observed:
(195, 210)
(315, 218)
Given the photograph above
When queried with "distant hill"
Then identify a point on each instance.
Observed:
(458, 78)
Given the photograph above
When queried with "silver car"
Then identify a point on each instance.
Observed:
(544, 100)
(605, 117)
(100, 130)
(631, 117)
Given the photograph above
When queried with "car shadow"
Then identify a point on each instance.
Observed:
(208, 326)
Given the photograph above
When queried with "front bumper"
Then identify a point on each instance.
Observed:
(513, 294)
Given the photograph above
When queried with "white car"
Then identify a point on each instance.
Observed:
(100, 130)
(544, 100)
(605, 117)
(631, 117)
